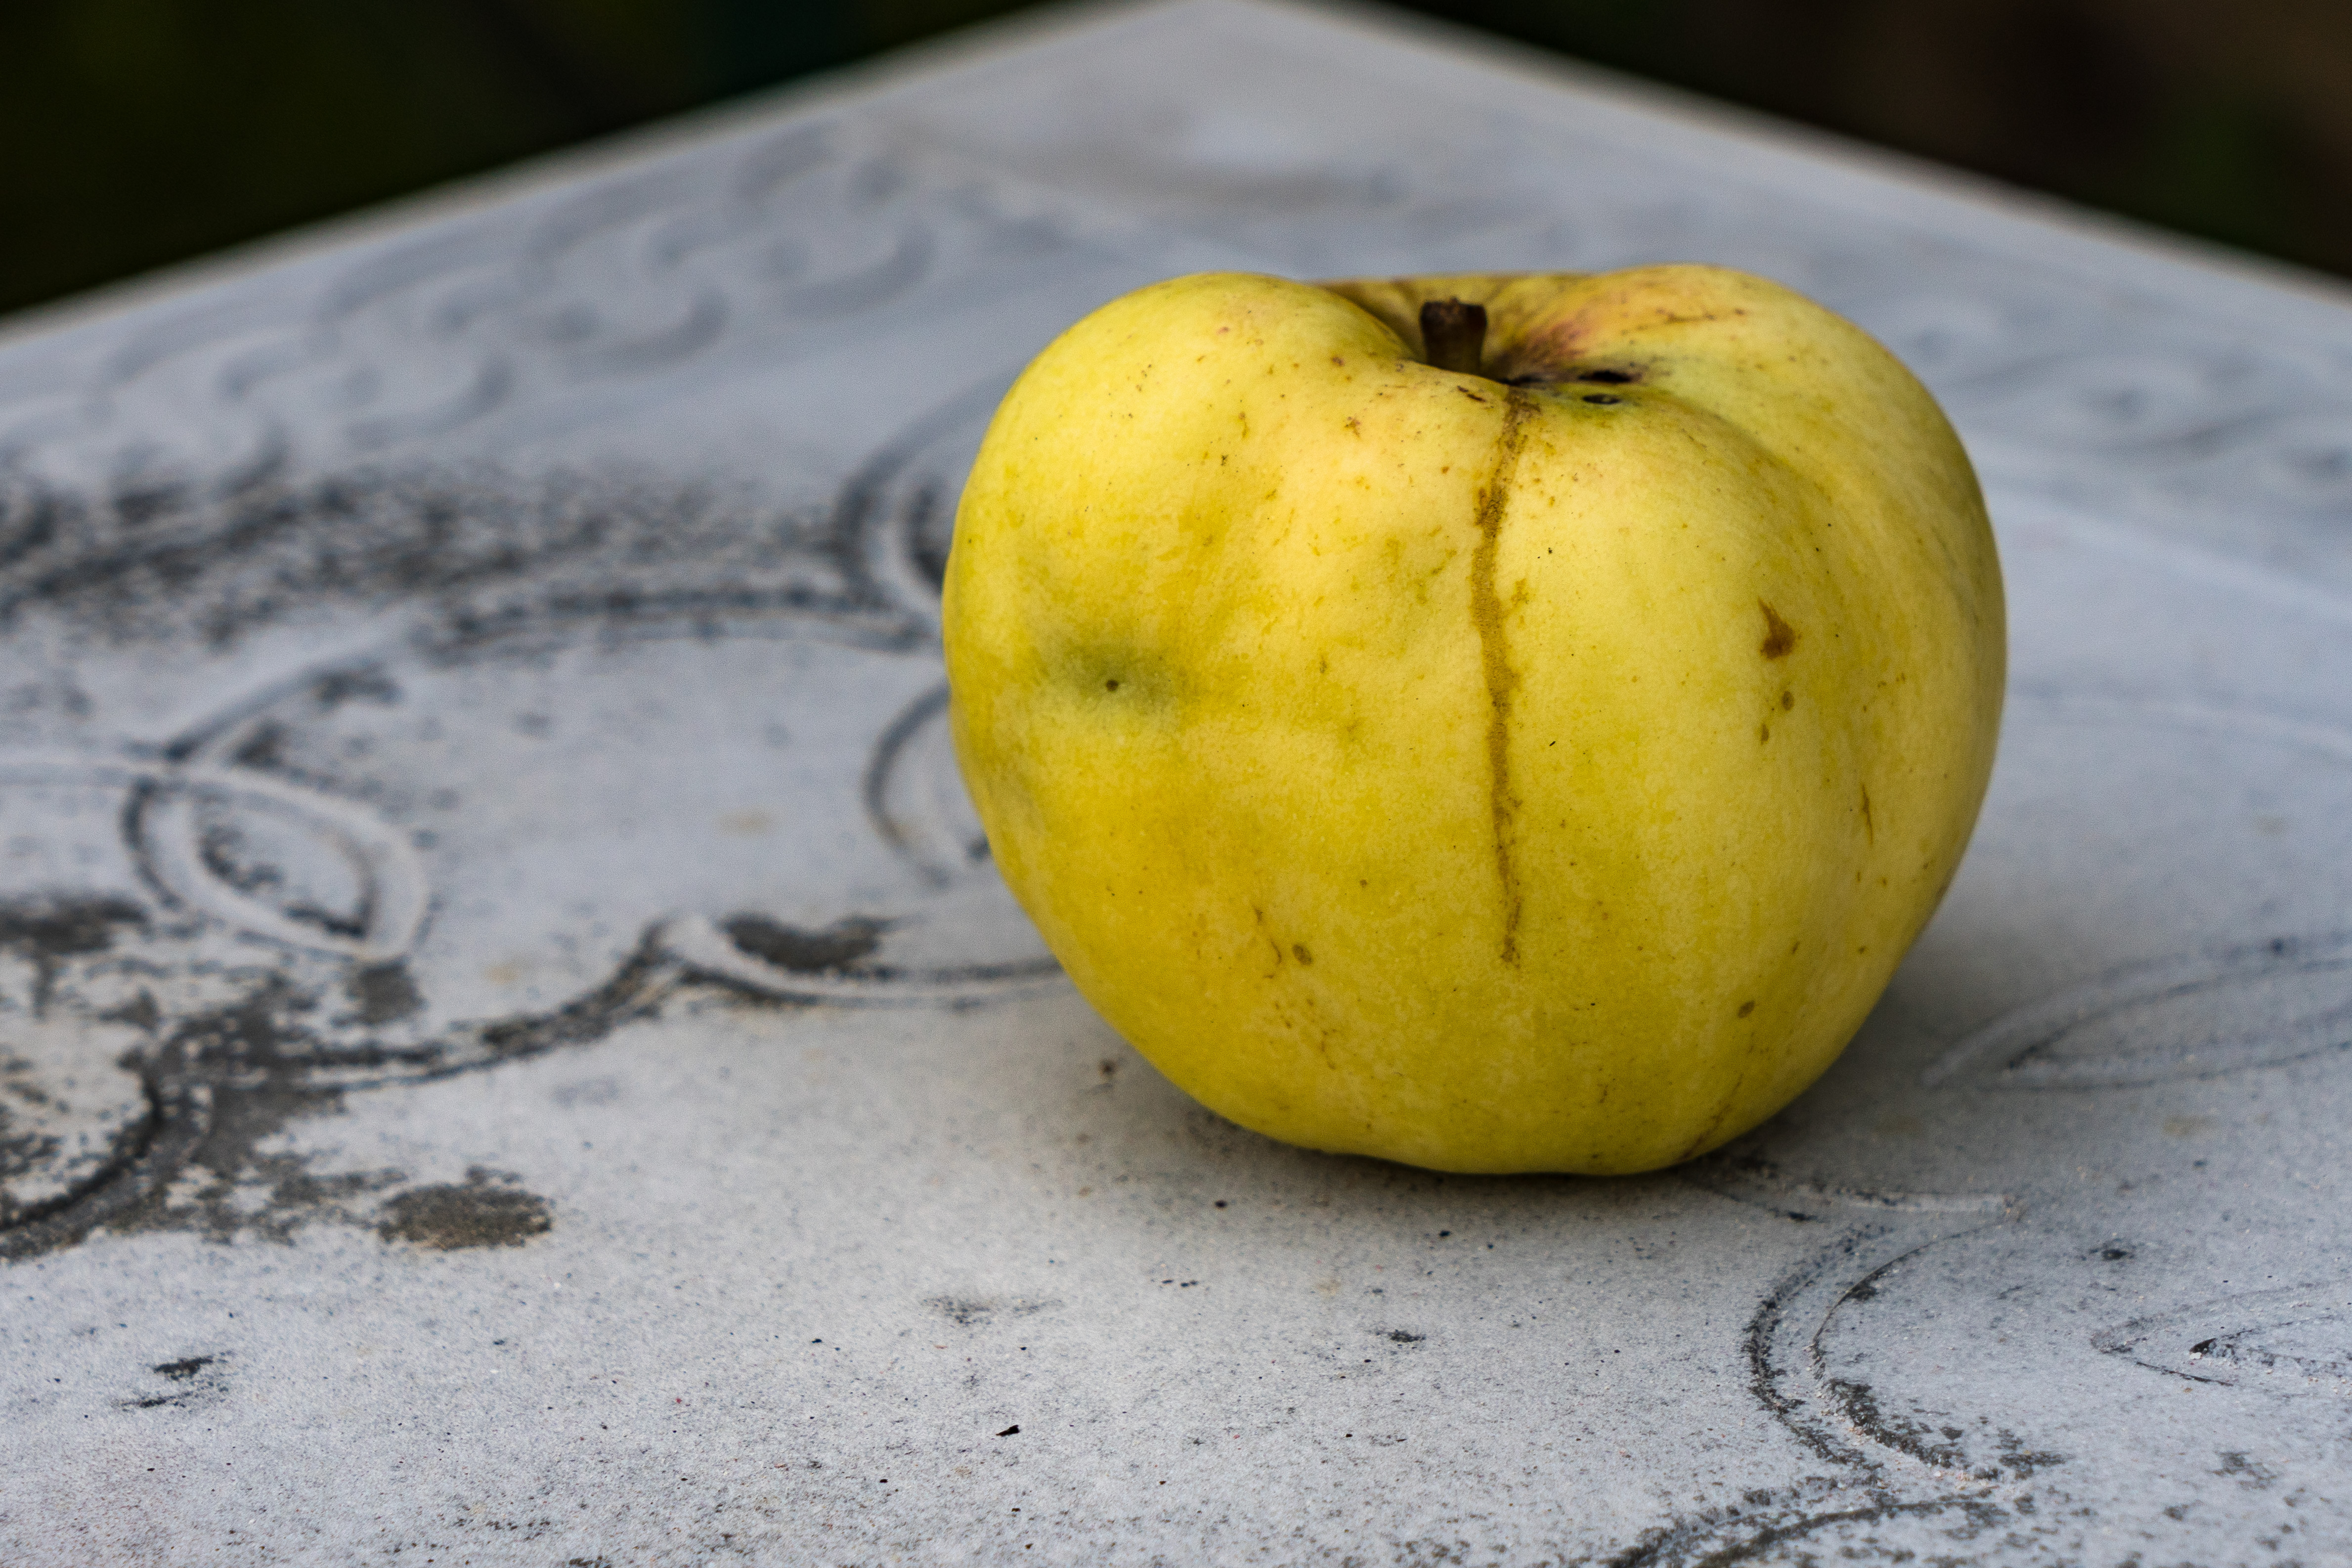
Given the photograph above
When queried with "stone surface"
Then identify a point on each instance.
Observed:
(511, 1052)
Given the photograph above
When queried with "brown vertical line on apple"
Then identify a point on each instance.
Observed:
(1495, 655)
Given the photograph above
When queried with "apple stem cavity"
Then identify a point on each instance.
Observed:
(1453, 335)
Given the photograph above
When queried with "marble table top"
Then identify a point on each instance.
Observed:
(511, 1050)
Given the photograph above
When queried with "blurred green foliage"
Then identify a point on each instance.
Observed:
(2232, 122)
(134, 132)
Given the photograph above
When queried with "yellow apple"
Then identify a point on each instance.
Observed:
(1492, 722)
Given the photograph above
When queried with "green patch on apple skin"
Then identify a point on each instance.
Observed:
(1119, 680)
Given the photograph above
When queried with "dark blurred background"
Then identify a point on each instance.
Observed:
(140, 131)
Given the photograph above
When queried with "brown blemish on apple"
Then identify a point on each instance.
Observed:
(1780, 637)
(1502, 681)
(1551, 361)
(1723, 1113)
(1272, 946)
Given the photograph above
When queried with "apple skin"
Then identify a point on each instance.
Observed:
(1490, 777)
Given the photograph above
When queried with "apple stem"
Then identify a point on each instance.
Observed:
(1453, 335)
